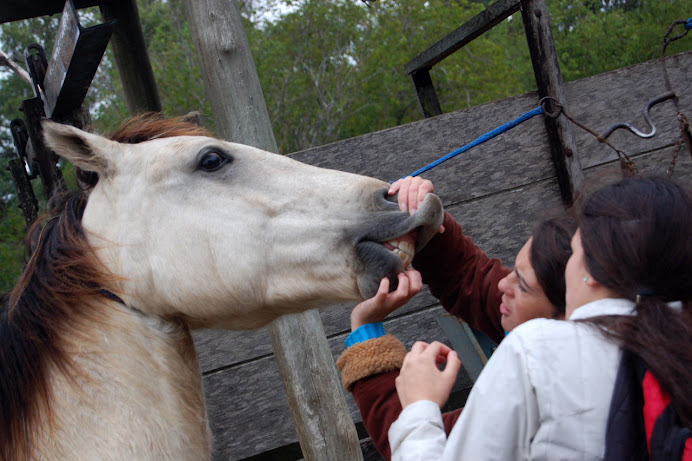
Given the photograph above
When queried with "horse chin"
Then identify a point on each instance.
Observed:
(378, 261)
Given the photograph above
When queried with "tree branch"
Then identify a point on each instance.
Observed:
(24, 75)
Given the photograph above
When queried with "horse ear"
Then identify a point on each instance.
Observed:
(87, 151)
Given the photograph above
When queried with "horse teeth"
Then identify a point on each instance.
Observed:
(404, 250)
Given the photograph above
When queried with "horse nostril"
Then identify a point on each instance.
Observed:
(389, 198)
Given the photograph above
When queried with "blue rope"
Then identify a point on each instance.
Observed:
(489, 135)
(688, 24)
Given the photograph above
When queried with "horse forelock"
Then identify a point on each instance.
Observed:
(53, 295)
(153, 125)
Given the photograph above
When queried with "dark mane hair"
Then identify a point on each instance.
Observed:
(60, 278)
(550, 251)
(636, 240)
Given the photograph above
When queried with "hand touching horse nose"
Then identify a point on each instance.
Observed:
(412, 192)
(422, 379)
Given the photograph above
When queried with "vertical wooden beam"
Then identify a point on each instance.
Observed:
(549, 80)
(429, 103)
(131, 57)
(316, 400)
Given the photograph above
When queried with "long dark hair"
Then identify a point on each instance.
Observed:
(636, 236)
(550, 251)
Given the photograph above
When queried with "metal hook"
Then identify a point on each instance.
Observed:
(632, 129)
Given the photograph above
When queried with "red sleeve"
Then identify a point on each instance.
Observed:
(463, 278)
(379, 406)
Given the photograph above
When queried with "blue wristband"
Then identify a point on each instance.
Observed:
(365, 332)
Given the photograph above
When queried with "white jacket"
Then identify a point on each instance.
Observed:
(544, 395)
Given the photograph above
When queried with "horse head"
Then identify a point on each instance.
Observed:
(225, 235)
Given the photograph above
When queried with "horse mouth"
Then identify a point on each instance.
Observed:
(386, 246)
(403, 247)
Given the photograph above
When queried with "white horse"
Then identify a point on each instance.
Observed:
(174, 231)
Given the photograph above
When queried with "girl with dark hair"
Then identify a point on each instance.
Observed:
(489, 296)
(628, 288)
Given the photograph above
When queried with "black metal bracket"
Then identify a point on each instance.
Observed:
(60, 87)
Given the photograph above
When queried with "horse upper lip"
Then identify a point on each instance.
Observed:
(395, 224)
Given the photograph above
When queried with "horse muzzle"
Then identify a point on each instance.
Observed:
(383, 244)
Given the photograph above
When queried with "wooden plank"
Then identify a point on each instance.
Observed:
(130, 51)
(473, 28)
(465, 343)
(307, 371)
(509, 160)
(546, 69)
(75, 58)
(14, 10)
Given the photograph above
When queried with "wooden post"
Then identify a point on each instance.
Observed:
(316, 400)
(427, 97)
(549, 80)
(131, 57)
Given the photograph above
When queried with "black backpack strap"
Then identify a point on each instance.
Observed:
(625, 431)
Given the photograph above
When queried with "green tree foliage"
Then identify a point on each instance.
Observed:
(333, 69)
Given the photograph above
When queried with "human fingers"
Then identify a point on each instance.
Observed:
(410, 283)
(414, 192)
(424, 187)
(418, 347)
(421, 379)
(403, 198)
(453, 366)
(370, 310)
(437, 348)
(395, 186)
(415, 280)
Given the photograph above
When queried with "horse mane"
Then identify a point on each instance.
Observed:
(56, 290)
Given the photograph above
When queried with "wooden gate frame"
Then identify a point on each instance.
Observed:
(546, 69)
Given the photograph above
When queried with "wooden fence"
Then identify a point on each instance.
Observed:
(496, 190)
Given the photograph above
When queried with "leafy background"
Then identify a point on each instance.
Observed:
(334, 69)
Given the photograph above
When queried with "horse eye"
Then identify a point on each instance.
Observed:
(212, 161)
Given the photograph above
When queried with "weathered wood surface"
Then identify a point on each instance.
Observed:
(496, 190)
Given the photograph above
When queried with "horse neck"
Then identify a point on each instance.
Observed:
(136, 394)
